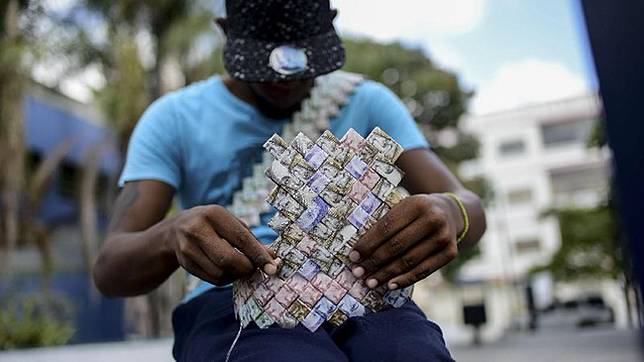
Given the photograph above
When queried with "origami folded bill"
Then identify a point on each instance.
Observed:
(385, 144)
(329, 193)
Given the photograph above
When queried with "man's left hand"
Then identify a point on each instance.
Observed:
(413, 240)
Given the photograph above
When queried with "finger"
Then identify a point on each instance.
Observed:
(193, 259)
(423, 270)
(226, 258)
(244, 223)
(231, 229)
(194, 269)
(395, 220)
(199, 234)
(395, 246)
(402, 264)
(278, 260)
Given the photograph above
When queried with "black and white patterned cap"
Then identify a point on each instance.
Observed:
(281, 40)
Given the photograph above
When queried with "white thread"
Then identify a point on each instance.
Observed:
(230, 351)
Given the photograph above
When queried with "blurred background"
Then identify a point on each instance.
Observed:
(504, 90)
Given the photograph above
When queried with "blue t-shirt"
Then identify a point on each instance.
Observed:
(202, 140)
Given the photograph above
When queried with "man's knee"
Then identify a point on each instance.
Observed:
(395, 335)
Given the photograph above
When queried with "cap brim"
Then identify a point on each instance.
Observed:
(248, 59)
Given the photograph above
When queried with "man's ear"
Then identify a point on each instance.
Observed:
(223, 24)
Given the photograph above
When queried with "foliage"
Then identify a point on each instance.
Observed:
(33, 321)
(434, 96)
(598, 136)
(128, 78)
(4, 9)
(466, 148)
(450, 271)
(141, 38)
(17, 49)
(482, 187)
(589, 244)
(12, 49)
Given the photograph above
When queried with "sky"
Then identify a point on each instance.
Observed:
(511, 53)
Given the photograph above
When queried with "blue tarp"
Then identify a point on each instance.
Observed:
(46, 126)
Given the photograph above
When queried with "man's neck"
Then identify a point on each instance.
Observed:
(240, 90)
(245, 93)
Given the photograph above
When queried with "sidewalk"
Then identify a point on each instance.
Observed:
(551, 346)
(139, 351)
(599, 345)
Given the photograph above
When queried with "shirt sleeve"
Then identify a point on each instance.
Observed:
(154, 148)
(388, 112)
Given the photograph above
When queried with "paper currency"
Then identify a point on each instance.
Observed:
(385, 144)
(329, 193)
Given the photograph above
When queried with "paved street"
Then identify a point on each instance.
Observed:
(564, 345)
(142, 351)
(599, 345)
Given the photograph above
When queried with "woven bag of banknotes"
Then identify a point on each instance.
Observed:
(328, 193)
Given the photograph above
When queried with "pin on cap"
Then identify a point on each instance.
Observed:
(288, 60)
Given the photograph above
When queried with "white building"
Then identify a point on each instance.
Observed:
(534, 158)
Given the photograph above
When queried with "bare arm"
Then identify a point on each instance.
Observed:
(142, 249)
(136, 256)
(419, 235)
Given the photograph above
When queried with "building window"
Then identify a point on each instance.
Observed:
(512, 148)
(582, 185)
(520, 197)
(527, 245)
(568, 132)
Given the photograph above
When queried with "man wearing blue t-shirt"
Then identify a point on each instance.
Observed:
(200, 142)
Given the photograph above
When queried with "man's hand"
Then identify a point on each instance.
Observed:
(414, 239)
(215, 246)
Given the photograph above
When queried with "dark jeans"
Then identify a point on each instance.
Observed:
(205, 327)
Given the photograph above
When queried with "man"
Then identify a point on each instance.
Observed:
(198, 142)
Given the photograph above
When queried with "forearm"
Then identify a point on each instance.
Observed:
(134, 263)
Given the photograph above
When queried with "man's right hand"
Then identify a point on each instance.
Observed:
(215, 246)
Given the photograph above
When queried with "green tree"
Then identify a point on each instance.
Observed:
(590, 245)
(28, 321)
(23, 185)
(17, 46)
(433, 96)
(175, 34)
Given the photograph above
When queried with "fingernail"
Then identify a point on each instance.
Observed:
(393, 286)
(270, 269)
(354, 256)
(358, 271)
(372, 283)
(278, 261)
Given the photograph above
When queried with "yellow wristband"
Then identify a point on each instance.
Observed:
(466, 219)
